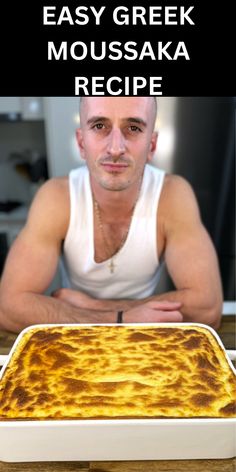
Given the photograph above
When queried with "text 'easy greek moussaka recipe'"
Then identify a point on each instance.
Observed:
(113, 372)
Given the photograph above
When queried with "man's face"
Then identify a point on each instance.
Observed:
(116, 138)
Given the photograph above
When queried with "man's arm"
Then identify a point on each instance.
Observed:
(31, 265)
(190, 256)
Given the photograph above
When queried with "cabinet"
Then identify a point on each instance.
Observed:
(25, 108)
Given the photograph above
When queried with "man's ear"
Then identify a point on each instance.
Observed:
(80, 142)
(152, 146)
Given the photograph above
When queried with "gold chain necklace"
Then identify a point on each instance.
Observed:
(111, 263)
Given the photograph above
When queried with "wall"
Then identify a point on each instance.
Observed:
(61, 121)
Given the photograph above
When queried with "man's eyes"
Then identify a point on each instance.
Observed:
(98, 126)
(134, 129)
(130, 129)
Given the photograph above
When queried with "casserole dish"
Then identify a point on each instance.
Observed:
(177, 425)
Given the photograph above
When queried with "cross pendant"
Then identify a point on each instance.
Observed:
(111, 266)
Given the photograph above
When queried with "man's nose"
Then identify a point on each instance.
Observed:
(116, 143)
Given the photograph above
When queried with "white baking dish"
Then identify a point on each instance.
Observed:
(101, 440)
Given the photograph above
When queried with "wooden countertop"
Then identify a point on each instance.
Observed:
(224, 465)
(227, 334)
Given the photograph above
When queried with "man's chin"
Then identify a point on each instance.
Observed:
(114, 186)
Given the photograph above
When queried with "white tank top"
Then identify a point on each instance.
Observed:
(137, 267)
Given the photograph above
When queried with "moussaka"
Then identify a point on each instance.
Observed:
(117, 371)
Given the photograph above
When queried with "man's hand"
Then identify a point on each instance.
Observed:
(154, 312)
(82, 300)
(76, 298)
(137, 311)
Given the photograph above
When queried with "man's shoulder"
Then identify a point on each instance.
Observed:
(56, 183)
(51, 204)
(176, 187)
(178, 200)
(177, 196)
(55, 189)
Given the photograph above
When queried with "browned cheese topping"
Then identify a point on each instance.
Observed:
(73, 372)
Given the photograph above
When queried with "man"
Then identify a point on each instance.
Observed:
(115, 219)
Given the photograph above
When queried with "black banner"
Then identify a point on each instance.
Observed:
(117, 48)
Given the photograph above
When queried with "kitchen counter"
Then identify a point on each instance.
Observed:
(225, 465)
(227, 334)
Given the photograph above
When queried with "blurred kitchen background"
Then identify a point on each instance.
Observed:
(196, 140)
